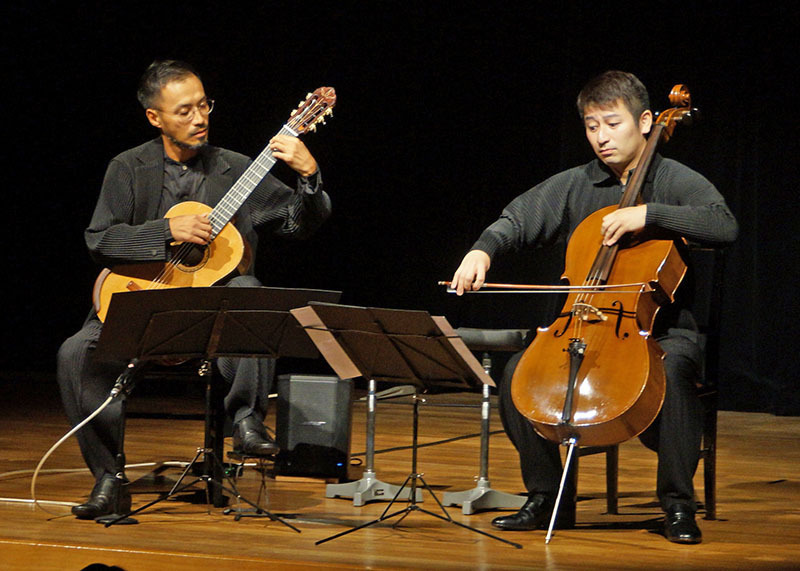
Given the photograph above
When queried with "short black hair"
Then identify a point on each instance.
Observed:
(607, 87)
(157, 75)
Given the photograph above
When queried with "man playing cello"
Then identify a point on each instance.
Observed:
(615, 111)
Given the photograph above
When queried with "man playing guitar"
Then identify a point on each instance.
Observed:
(129, 229)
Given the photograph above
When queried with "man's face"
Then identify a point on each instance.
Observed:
(177, 113)
(616, 137)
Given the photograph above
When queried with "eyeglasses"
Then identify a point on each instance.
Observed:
(186, 114)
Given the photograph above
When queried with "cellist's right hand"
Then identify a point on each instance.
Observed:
(471, 274)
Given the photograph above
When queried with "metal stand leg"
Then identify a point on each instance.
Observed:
(483, 497)
(239, 511)
(412, 478)
(369, 488)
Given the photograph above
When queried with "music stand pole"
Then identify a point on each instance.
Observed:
(369, 487)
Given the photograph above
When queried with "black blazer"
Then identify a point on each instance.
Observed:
(125, 226)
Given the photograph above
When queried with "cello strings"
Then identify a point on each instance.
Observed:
(584, 300)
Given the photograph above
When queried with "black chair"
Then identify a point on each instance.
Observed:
(709, 266)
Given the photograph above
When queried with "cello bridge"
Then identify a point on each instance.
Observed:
(588, 312)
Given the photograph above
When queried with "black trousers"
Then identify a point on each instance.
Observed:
(676, 434)
(85, 384)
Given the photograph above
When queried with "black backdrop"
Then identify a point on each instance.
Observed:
(446, 112)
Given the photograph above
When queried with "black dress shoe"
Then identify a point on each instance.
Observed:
(250, 438)
(103, 500)
(535, 514)
(680, 527)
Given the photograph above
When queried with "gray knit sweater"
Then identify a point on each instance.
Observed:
(678, 199)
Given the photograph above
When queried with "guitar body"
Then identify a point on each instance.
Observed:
(208, 264)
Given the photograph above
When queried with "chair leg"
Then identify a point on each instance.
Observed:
(612, 479)
(710, 462)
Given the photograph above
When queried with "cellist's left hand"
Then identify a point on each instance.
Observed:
(622, 221)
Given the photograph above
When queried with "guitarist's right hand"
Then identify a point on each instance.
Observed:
(193, 228)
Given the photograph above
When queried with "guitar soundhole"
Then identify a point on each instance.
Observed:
(191, 257)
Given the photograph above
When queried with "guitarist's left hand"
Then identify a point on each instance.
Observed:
(294, 153)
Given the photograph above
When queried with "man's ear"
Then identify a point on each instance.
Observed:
(645, 121)
(153, 117)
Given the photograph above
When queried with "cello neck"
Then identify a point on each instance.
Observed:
(637, 180)
(603, 262)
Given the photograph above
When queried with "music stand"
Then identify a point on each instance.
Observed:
(398, 346)
(190, 323)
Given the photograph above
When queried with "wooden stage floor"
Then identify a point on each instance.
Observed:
(758, 487)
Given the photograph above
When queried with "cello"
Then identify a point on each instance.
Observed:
(596, 375)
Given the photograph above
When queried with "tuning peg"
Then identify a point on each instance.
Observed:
(293, 113)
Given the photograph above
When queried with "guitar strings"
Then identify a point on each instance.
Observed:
(224, 211)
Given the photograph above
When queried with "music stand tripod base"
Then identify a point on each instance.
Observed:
(369, 489)
(482, 497)
(412, 506)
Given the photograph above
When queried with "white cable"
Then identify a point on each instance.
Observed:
(170, 463)
(13, 473)
(55, 446)
(28, 501)
(116, 391)
(4, 475)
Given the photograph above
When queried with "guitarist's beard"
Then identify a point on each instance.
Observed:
(188, 146)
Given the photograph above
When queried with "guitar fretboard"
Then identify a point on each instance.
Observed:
(227, 207)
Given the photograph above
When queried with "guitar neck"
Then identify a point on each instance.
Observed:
(224, 211)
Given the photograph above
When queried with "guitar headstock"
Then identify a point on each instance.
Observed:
(312, 110)
(681, 112)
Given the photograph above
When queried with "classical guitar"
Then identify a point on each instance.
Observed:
(190, 265)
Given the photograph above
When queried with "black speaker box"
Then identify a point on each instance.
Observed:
(313, 426)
